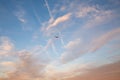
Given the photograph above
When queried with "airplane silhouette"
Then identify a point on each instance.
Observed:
(56, 36)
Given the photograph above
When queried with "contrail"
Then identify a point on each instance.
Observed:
(62, 41)
(49, 43)
(36, 15)
(48, 56)
(54, 49)
(50, 13)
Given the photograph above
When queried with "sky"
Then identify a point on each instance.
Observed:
(59, 40)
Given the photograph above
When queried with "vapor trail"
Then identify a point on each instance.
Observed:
(62, 41)
(49, 43)
(54, 49)
(36, 15)
(50, 13)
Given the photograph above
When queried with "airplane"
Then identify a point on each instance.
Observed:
(56, 36)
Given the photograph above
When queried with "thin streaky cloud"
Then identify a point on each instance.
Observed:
(47, 46)
(54, 49)
(99, 18)
(50, 12)
(36, 14)
(92, 47)
(78, 38)
(84, 11)
(61, 38)
(104, 39)
(73, 45)
(20, 14)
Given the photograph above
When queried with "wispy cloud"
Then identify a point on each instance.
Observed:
(91, 16)
(52, 26)
(50, 45)
(101, 17)
(50, 12)
(104, 39)
(63, 8)
(74, 48)
(6, 45)
(85, 11)
(59, 20)
(20, 14)
(94, 15)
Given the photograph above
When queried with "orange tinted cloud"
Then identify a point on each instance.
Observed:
(106, 72)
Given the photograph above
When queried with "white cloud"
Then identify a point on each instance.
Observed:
(50, 13)
(85, 11)
(101, 17)
(59, 20)
(90, 15)
(72, 50)
(20, 14)
(94, 15)
(63, 71)
(27, 68)
(72, 44)
(5, 45)
(62, 8)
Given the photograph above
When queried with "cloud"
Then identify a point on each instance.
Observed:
(6, 45)
(104, 39)
(72, 50)
(76, 69)
(27, 68)
(59, 20)
(90, 16)
(63, 8)
(106, 72)
(20, 14)
(73, 44)
(94, 15)
(50, 46)
(99, 18)
(50, 13)
(7, 64)
(85, 11)
(26, 65)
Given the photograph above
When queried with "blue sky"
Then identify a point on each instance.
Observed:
(60, 37)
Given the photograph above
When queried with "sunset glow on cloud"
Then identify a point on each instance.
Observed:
(59, 40)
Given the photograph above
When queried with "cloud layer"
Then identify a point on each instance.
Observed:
(78, 40)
